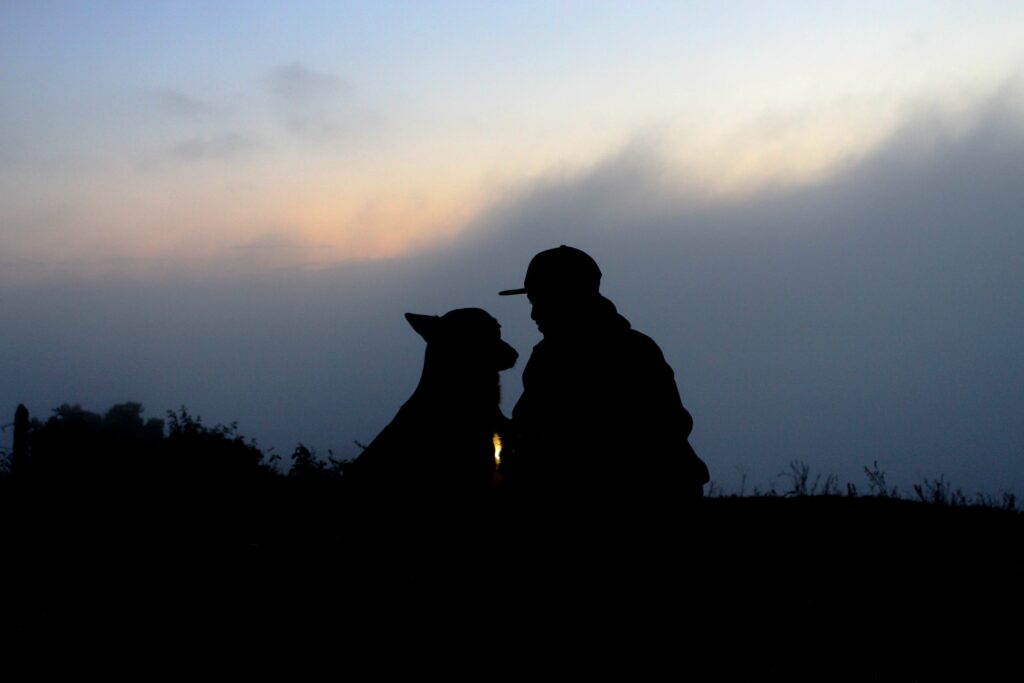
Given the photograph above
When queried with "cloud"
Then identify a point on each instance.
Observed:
(274, 250)
(181, 104)
(312, 105)
(223, 146)
(297, 83)
(873, 315)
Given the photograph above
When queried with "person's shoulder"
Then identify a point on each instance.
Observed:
(639, 342)
(643, 355)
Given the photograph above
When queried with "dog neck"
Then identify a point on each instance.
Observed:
(448, 385)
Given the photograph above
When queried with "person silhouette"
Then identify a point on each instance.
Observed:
(600, 416)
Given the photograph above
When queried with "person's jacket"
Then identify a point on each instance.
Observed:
(600, 415)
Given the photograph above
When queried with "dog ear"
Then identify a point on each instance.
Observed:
(425, 325)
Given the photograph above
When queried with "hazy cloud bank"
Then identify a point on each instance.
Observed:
(875, 315)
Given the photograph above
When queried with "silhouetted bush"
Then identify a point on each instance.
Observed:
(122, 449)
(217, 453)
(307, 466)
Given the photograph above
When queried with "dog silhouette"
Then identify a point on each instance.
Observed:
(439, 448)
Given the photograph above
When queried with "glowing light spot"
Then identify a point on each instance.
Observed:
(497, 450)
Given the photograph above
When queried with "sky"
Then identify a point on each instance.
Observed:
(814, 208)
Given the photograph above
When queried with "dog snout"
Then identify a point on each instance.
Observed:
(507, 356)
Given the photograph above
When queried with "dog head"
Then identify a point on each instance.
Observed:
(466, 338)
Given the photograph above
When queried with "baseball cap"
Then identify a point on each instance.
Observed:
(559, 270)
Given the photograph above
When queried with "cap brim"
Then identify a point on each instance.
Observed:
(510, 292)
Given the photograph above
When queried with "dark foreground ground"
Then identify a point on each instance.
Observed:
(769, 587)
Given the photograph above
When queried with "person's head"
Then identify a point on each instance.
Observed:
(562, 285)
